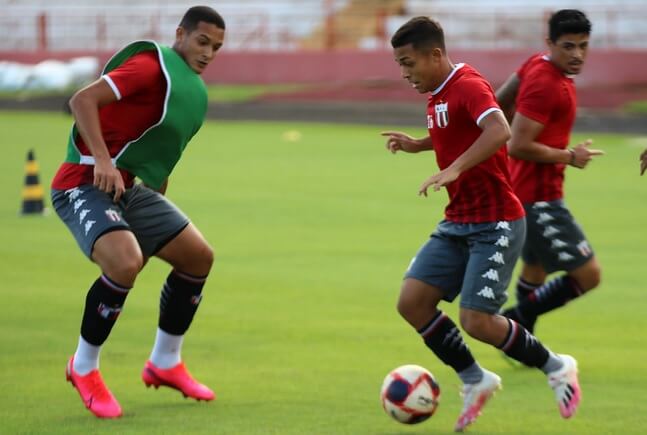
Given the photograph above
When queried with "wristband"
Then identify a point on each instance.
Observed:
(572, 156)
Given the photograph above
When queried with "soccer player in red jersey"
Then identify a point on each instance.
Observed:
(473, 250)
(135, 121)
(545, 107)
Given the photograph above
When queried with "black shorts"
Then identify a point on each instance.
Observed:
(473, 260)
(553, 239)
(89, 213)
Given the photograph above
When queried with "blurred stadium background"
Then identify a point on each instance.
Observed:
(312, 223)
(339, 49)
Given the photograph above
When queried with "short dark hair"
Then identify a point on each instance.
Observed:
(568, 21)
(196, 14)
(422, 33)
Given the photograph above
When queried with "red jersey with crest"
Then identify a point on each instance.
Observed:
(140, 88)
(482, 193)
(547, 96)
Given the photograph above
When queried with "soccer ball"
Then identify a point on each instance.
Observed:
(410, 394)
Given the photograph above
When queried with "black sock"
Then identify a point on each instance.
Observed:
(549, 296)
(521, 345)
(179, 301)
(103, 305)
(443, 337)
(525, 288)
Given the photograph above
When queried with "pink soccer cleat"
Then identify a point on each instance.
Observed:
(475, 396)
(93, 391)
(177, 377)
(566, 386)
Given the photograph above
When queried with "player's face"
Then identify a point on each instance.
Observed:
(199, 47)
(420, 68)
(569, 52)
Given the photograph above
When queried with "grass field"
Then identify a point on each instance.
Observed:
(298, 326)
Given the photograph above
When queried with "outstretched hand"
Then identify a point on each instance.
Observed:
(441, 179)
(400, 142)
(643, 162)
(582, 154)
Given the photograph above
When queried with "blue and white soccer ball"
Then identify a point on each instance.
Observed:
(410, 394)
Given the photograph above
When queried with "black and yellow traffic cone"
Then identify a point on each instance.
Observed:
(32, 192)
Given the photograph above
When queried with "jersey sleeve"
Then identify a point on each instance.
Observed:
(138, 74)
(536, 99)
(479, 99)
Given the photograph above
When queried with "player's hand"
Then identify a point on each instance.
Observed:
(108, 179)
(441, 179)
(643, 162)
(582, 154)
(401, 142)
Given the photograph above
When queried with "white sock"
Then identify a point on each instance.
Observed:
(86, 357)
(166, 351)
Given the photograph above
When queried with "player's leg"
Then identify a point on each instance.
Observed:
(561, 245)
(103, 235)
(436, 273)
(493, 253)
(532, 276)
(164, 231)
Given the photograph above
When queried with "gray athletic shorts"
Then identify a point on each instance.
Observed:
(475, 260)
(554, 240)
(89, 213)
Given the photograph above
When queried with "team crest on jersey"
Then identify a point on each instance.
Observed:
(442, 116)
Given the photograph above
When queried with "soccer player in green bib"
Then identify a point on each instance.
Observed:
(134, 122)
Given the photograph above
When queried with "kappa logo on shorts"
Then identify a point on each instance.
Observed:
(503, 242)
(497, 257)
(503, 225)
(113, 215)
(550, 231)
(487, 293)
(584, 248)
(88, 225)
(544, 217)
(565, 256)
(73, 193)
(556, 243)
(492, 275)
(78, 203)
(83, 214)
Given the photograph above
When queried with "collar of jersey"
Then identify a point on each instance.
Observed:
(449, 77)
(570, 76)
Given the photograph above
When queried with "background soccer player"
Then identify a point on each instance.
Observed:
(473, 250)
(545, 112)
(135, 122)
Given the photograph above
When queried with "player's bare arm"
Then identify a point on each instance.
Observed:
(523, 146)
(643, 162)
(85, 106)
(507, 94)
(496, 132)
(397, 141)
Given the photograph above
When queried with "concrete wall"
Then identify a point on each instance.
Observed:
(605, 68)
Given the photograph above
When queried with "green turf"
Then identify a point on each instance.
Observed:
(638, 107)
(216, 93)
(298, 327)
